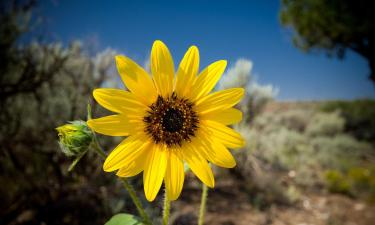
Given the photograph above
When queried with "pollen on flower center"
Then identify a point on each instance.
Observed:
(171, 120)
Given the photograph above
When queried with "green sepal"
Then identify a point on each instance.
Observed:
(186, 167)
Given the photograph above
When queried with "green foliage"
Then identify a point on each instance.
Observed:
(357, 181)
(362, 179)
(293, 193)
(325, 124)
(124, 219)
(30, 111)
(307, 149)
(295, 139)
(340, 152)
(336, 182)
(359, 117)
(300, 143)
(42, 86)
(333, 25)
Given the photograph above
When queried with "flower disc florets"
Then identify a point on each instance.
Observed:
(171, 120)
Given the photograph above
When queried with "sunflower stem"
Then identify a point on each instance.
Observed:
(166, 208)
(126, 184)
(136, 201)
(202, 209)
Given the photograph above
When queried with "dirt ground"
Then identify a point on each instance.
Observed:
(229, 205)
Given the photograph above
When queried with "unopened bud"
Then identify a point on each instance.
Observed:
(74, 137)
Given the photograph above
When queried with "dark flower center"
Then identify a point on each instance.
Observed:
(171, 120)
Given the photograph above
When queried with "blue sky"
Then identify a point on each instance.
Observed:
(222, 30)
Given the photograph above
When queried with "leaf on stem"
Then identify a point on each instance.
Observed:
(124, 219)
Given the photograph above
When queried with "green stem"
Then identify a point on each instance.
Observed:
(166, 208)
(97, 148)
(76, 160)
(126, 184)
(136, 201)
(202, 209)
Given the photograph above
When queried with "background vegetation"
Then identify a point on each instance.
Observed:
(333, 26)
(298, 154)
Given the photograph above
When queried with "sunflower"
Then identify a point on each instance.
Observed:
(169, 119)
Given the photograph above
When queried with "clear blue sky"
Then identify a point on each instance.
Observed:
(222, 30)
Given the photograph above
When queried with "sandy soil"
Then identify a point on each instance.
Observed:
(229, 205)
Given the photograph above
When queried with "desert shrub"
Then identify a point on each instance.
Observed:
(289, 144)
(256, 96)
(304, 141)
(339, 152)
(359, 117)
(264, 189)
(357, 181)
(296, 119)
(30, 111)
(43, 86)
(337, 182)
(362, 178)
(325, 124)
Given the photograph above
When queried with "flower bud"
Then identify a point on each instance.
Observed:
(74, 137)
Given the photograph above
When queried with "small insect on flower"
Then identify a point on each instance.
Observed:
(170, 119)
(74, 138)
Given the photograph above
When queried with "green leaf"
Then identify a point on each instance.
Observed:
(124, 219)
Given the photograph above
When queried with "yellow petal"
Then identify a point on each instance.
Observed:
(197, 163)
(154, 171)
(126, 152)
(174, 176)
(226, 116)
(219, 100)
(223, 134)
(162, 68)
(119, 101)
(136, 79)
(135, 167)
(187, 71)
(115, 125)
(215, 151)
(207, 79)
